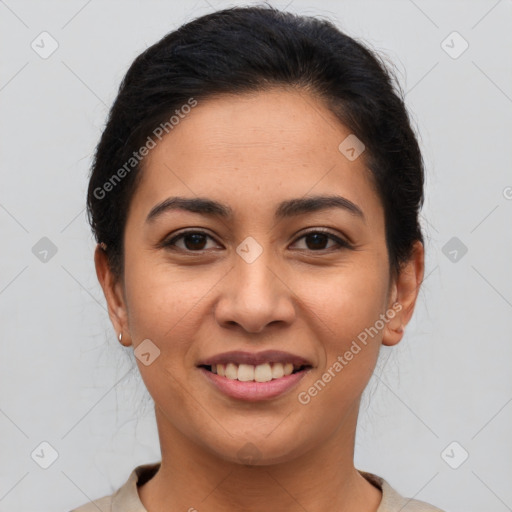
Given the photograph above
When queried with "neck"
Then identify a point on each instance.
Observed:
(324, 478)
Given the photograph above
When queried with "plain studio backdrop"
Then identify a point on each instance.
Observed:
(75, 418)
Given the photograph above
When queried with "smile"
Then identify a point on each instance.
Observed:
(255, 373)
(254, 390)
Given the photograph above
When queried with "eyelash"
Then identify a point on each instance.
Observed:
(342, 244)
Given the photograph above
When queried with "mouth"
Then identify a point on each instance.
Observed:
(254, 388)
(264, 372)
(255, 366)
(255, 376)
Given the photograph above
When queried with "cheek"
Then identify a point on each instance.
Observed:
(343, 301)
(343, 310)
(163, 300)
(162, 306)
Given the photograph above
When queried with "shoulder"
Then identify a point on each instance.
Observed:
(100, 505)
(126, 498)
(393, 501)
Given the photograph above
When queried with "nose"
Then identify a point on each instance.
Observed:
(254, 296)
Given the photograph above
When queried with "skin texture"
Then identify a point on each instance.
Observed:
(251, 152)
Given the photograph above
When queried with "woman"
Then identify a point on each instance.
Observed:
(255, 198)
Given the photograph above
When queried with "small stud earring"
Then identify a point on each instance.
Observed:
(120, 336)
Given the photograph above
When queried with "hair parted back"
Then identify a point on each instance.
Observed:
(249, 49)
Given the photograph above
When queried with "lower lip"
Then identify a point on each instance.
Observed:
(254, 391)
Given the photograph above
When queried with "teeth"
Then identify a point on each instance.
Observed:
(231, 371)
(263, 373)
(247, 372)
(277, 371)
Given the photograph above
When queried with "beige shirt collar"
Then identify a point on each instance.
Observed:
(126, 498)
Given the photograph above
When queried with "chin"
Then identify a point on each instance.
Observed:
(258, 450)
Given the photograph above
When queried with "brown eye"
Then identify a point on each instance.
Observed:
(196, 241)
(317, 240)
(192, 241)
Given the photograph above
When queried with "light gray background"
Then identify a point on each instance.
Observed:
(64, 378)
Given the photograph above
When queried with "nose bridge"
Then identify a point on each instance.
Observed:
(255, 283)
(255, 279)
(254, 296)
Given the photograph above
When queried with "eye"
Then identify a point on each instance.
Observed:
(193, 241)
(318, 238)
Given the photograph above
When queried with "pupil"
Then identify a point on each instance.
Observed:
(317, 237)
(196, 238)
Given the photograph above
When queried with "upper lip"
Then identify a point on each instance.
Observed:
(255, 358)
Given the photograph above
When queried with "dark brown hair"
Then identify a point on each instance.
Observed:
(245, 49)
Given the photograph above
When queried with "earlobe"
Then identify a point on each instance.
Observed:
(112, 290)
(394, 329)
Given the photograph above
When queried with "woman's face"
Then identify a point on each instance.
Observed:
(252, 281)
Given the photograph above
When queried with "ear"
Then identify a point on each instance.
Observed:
(114, 294)
(403, 294)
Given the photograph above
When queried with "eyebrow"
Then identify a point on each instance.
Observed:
(286, 209)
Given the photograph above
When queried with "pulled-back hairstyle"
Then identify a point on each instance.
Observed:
(248, 49)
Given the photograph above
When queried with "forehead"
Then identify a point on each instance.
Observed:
(255, 148)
